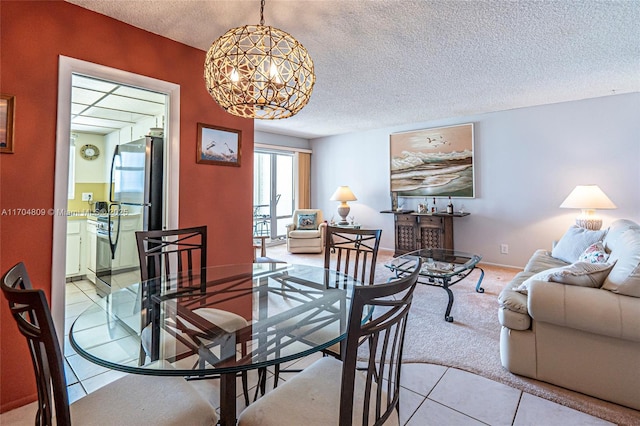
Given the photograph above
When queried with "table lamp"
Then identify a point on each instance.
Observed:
(588, 198)
(343, 194)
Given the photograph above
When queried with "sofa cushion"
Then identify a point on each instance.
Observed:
(588, 309)
(512, 300)
(541, 261)
(595, 253)
(574, 242)
(623, 244)
(305, 234)
(582, 274)
(307, 221)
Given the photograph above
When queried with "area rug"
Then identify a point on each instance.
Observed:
(472, 341)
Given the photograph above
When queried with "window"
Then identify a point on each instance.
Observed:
(273, 193)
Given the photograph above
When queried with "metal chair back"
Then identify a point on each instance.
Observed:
(32, 314)
(178, 252)
(383, 335)
(353, 252)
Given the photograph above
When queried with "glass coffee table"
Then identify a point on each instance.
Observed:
(441, 268)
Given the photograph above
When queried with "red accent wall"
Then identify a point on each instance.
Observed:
(32, 35)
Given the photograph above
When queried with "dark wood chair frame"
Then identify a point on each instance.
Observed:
(30, 310)
(180, 253)
(159, 253)
(384, 334)
(373, 354)
(354, 253)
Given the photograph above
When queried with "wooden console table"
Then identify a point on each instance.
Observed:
(415, 231)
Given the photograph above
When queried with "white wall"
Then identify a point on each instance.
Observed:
(526, 162)
(90, 171)
(266, 138)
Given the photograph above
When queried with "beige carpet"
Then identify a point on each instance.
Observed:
(472, 341)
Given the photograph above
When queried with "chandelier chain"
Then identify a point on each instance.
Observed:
(262, 13)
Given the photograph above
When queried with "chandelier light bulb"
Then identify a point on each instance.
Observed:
(234, 76)
(274, 74)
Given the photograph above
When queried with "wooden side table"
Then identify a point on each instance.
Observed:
(415, 231)
(262, 246)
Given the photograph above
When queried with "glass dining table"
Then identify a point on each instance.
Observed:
(291, 311)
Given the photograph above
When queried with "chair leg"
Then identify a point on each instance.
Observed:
(245, 386)
(142, 357)
(262, 383)
(276, 376)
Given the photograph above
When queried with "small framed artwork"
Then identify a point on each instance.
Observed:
(218, 145)
(7, 111)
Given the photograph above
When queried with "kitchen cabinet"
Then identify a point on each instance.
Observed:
(127, 257)
(91, 250)
(414, 231)
(73, 265)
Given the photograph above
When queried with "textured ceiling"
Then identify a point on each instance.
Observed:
(392, 62)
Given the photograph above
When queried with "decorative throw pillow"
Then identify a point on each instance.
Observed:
(582, 274)
(307, 221)
(540, 276)
(595, 253)
(574, 242)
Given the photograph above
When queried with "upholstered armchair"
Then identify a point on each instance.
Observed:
(306, 232)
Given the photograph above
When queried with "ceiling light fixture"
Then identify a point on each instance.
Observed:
(257, 71)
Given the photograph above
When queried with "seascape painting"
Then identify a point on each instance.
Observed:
(433, 162)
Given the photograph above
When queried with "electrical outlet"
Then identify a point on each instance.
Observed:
(87, 196)
(504, 248)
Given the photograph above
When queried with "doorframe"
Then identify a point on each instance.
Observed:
(66, 67)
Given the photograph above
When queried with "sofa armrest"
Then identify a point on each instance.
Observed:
(323, 231)
(290, 227)
(584, 308)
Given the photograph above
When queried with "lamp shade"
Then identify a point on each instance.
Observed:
(587, 197)
(343, 193)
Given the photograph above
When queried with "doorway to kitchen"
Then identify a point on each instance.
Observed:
(116, 161)
(69, 69)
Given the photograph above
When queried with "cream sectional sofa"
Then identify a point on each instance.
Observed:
(582, 338)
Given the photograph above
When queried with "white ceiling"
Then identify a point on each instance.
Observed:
(102, 107)
(391, 62)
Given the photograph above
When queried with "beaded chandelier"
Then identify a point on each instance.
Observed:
(257, 71)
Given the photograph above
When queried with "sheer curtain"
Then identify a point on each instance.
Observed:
(304, 180)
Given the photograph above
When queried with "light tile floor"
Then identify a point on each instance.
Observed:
(432, 394)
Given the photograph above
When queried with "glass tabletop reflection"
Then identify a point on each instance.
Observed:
(289, 311)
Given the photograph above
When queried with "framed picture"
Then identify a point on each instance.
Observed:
(218, 145)
(7, 112)
(433, 162)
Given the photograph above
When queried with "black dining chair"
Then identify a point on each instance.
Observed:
(130, 400)
(353, 253)
(180, 253)
(363, 388)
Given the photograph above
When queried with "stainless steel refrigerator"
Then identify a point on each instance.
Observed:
(135, 188)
